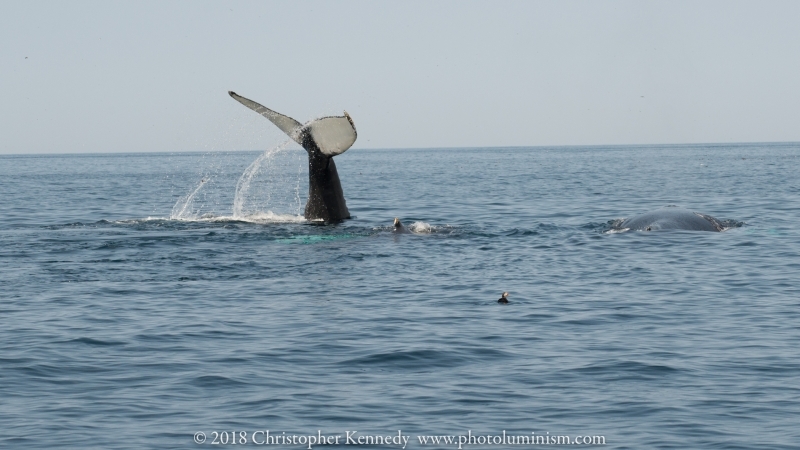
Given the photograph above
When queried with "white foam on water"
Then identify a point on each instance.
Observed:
(420, 228)
(258, 217)
(135, 221)
(265, 217)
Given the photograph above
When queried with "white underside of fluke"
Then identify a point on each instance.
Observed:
(333, 134)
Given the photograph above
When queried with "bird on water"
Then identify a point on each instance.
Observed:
(504, 298)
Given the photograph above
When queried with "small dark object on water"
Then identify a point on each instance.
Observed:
(504, 298)
(399, 227)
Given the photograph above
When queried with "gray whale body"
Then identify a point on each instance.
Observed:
(671, 218)
(322, 139)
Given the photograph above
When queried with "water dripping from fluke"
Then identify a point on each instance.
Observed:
(281, 177)
(182, 209)
(243, 185)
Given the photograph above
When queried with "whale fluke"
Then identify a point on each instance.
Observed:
(333, 135)
(322, 138)
(285, 123)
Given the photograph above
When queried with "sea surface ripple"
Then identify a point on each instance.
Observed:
(128, 322)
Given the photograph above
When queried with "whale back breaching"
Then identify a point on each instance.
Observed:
(322, 139)
(672, 218)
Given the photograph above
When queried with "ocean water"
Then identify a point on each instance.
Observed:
(149, 297)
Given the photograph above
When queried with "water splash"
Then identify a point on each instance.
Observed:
(182, 209)
(243, 185)
(264, 217)
(420, 228)
(268, 191)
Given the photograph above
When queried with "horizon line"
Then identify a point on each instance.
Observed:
(686, 144)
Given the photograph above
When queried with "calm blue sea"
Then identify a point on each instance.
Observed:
(149, 297)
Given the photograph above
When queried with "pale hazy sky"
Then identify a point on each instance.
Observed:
(142, 76)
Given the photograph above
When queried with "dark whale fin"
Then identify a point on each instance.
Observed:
(714, 221)
(399, 227)
(333, 134)
(285, 123)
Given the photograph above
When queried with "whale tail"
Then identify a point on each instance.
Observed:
(333, 135)
(323, 139)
